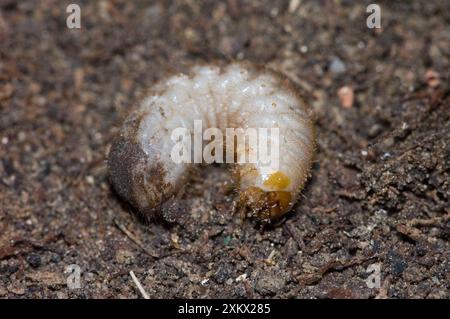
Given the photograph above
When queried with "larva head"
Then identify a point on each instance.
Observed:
(266, 205)
(267, 197)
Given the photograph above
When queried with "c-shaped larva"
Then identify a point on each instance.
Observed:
(143, 171)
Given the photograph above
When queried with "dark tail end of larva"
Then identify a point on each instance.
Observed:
(129, 170)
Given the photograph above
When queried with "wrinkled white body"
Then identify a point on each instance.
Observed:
(229, 98)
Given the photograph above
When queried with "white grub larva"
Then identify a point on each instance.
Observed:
(238, 95)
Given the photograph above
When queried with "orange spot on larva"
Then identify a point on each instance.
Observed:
(277, 181)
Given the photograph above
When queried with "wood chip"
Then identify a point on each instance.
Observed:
(346, 96)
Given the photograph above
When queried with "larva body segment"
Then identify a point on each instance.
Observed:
(235, 96)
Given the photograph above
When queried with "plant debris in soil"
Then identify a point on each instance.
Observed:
(379, 192)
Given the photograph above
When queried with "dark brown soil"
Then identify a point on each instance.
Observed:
(380, 187)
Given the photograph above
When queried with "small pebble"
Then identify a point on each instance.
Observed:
(432, 78)
(346, 96)
(90, 180)
(269, 284)
(34, 260)
(241, 277)
(303, 49)
(293, 5)
(337, 66)
(385, 155)
(204, 281)
(397, 263)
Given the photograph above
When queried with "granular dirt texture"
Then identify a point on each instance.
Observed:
(379, 192)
